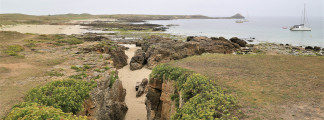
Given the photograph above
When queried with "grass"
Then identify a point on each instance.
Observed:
(4, 70)
(265, 85)
(18, 75)
(13, 50)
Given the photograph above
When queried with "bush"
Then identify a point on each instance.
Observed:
(203, 100)
(79, 76)
(67, 95)
(208, 106)
(34, 111)
(13, 50)
(84, 68)
(113, 78)
(71, 41)
(54, 73)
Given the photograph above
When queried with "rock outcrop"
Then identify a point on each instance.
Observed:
(158, 50)
(106, 103)
(158, 100)
(141, 88)
(138, 61)
(240, 42)
(117, 53)
(119, 57)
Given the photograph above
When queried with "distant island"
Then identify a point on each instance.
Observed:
(8, 19)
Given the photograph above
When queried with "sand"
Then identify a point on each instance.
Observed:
(45, 29)
(136, 106)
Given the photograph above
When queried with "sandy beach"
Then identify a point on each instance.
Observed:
(45, 29)
(136, 106)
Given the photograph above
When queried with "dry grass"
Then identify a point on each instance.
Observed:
(19, 74)
(268, 87)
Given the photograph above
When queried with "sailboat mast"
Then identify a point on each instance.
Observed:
(304, 14)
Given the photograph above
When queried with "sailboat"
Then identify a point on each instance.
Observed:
(301, 27)
(239, 21)
(247, 18)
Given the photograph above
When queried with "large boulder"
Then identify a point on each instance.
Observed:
(142, 87)
(119, 56)
(309, 48)
(138, 61)
(106, 103)
(317, 48)
(240, 42)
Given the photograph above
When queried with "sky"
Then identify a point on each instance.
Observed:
(214, 8)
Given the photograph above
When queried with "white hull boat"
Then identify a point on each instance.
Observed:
(301, 27)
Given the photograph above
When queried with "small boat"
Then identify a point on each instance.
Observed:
(301, 27)
(239, 21)
(284, 27)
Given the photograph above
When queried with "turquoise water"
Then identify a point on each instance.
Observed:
(264, 29)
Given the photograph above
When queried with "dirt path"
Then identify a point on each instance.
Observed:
(136, 106)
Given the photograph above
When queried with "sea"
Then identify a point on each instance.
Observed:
(263, 29)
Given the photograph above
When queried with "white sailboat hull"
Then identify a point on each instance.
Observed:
(300, 28)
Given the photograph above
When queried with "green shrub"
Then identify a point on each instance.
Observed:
(34, 111)
(13, 50)
(208, 106)
(203, 100)
(84, 68)
(54, 73)
(106, 68)
(71, 41)
(194, 85)
(79, 76)
(113, 78)
(67, 95)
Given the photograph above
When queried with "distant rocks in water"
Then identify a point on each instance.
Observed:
(170, 25)
(157, 49)
(161, 28)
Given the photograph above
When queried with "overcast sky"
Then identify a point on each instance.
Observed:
(165, 7)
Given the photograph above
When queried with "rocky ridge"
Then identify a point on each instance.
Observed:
(160, 50)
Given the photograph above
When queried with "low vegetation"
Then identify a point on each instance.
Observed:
(4, 70)
(80, 68)
(203, 99)
(267, 86)
(67, 95)
(34, 111)
(113, 78)
(55, 100)
(13, 50)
